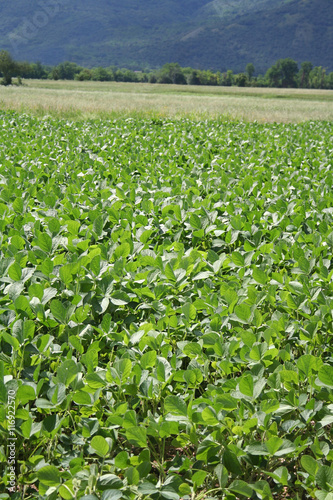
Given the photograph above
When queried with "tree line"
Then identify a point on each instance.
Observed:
(285, 73)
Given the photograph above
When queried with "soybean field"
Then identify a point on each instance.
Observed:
(166, 309)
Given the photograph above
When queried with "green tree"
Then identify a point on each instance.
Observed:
(8, 67)
(67, 70)
(193, 78)
(241, 80)
(152, 78)
(273, 76)
(84, 75)
(125, 75)
(304, 74)
(171, 73)
(283, 73)
(101, 75)
(33, 70)
(330, 80)
(228, 78)
(39, 71)
(289, 69)
(317, 78)
(249, 70)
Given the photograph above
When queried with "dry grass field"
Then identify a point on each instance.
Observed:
(80, 100)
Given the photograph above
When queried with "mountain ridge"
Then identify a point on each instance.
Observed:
(215, 35)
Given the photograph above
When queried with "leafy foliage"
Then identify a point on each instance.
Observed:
(8, 67)
(166, 308)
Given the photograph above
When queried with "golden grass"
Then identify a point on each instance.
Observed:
(77, 100)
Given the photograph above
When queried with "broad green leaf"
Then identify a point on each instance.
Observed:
(18, 205)
(281, 475)
(137, 436)
(122, 460)
(175, 405)
(15, 272)
(230, 296)
(192, 349)
(209, 416)
(22, 304)
(144, 238)
(47, 266)
(286, 448)
(23, 330)
(44, 241)
(51, 425)
(82, 398)
(269, 406)
(106, 322)
(304, 265)
(324, 478)
(9, 339)
(66, 490)
(274, 444)
(95, 265)
(122, 251)
(98, 225)
(325, 375)
(324, 495)
(257, 449)
(73, 226)
(49, 475)
(236, 222)
(95, 381)
(227, 402)
(199, 477)
(189, 311)
(147, 488)
(309, 464)
(241, 488)
(18, 242)
(67, 371)
(123, 367)
(306, 364)
(246, 385)
(195, 221)
(57, 393)
(49, 293)
(190, 377)
(119, 298)
(100, 445)
(231, 462)
(257, 318)
(65, 273)
(259, 276)
(243, 312)
(238, 259)
(25, 393)
(148, 359)
(207, 448)
(202, 276)
(222, 475)
(26, 428)
(36, 290)
(58, 310)
(54, 226)
(172, 209)
(132, 475)
(169, 273)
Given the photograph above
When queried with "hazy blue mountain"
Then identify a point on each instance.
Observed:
(142, 34)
